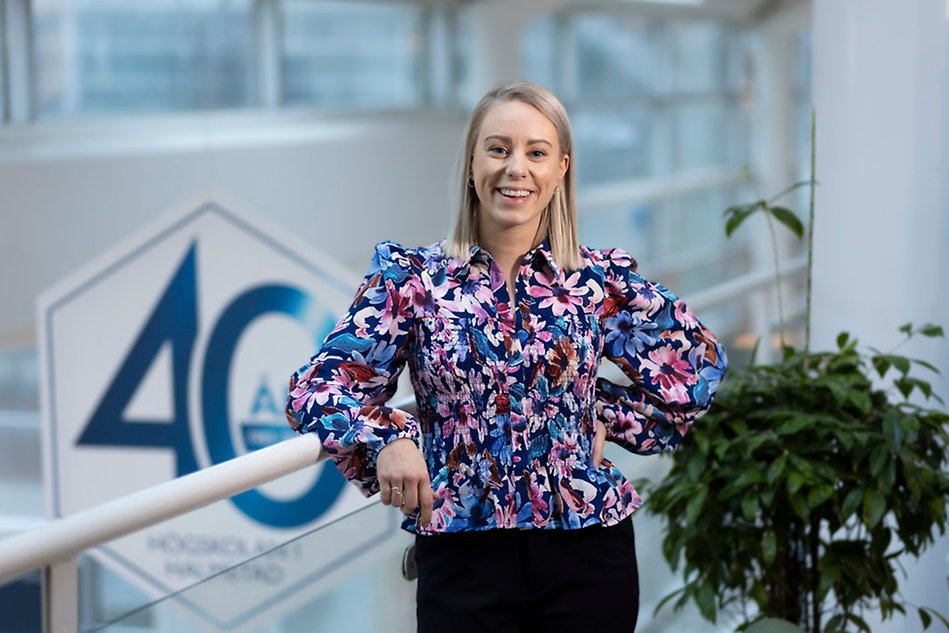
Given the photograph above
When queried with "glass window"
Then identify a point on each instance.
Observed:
(613, 144)
(698, 56)
(630, 227)
(538, 50)
(703, 133)
(112, 56)
(653, 99)
(353, 54)
(648, 96)
(615, 56)
(739, 58)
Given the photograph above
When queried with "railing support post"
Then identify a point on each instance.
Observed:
(61, 597)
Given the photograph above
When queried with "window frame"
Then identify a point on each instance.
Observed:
(437, 76)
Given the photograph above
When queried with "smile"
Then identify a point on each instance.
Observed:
(514, 193)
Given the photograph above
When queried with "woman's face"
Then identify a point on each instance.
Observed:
(516, 166)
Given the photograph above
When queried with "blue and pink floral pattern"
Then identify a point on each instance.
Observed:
(508, 391)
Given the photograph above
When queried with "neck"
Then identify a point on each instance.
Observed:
(507, 246)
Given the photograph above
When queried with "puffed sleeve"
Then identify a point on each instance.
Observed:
(341, 392)
(674, 362)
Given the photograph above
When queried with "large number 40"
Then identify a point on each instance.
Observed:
(174, 322)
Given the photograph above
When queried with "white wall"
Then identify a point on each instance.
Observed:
(68, 193)
(881, 86)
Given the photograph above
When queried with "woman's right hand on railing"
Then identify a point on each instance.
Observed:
(403, 479)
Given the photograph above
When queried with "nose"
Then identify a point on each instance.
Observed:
(517, 166)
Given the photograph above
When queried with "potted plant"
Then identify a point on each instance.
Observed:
(795, 494)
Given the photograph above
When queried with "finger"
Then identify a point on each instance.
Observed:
(426, 501)
(385, 492)
(599, 438)
(398, 495)
(411, 498)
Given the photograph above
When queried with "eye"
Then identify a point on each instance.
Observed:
(497, 150)
(538, 153)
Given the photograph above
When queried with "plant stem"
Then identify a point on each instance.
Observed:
(815, 574)
(810, 244)
(777, 273)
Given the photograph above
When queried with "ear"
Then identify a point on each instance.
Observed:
(564, 164)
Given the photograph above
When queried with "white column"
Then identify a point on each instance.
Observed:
(881, 89)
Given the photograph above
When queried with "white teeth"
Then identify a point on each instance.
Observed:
(515, 193)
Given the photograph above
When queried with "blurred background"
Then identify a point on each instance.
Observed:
(341, 122)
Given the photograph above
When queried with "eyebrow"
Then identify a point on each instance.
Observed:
(507, 139)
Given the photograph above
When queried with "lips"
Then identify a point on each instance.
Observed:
(514, 193)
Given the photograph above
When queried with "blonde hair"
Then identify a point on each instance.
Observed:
(559, 219)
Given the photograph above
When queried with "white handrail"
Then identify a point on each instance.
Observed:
(66, 537)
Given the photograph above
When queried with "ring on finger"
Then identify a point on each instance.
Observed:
(396, 489)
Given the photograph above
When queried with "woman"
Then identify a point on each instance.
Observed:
(520, 523)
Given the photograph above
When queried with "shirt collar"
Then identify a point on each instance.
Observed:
(538, 256)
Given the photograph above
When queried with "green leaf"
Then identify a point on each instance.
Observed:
(905, 386)
(923, 363)
(925, 617)
(909, 424)
(881, 364)
(874, 507)
(889, 475)
(840, 392)
(797, 185)
(923, 386)
(819, 495)
(931, 330)
(702, 441)
(769, 546)
(892, 431)
(842, 339)
(696, 467)
(795, 424)
(800, 507)
(829, 574)
(706, 601)
(861, 400)
(777, 468)
(846, 440)
(906, 328)
(760, 594)
(789, 219)
(901, 363)
(694, 508)
(860, 622)
(749, 505)
(738, 214)
(851, 503)
(795, 481)
(939, 615)
(878, 459)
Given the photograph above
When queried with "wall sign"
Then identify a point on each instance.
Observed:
(172, 353)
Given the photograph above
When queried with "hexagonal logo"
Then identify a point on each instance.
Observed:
(172, 353)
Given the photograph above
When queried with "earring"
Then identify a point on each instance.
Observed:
(471, 182)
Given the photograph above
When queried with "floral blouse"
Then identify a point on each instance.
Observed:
(508, 391)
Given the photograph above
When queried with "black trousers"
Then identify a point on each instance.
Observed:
(526, 581)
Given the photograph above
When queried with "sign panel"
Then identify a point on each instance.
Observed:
(173, 353)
